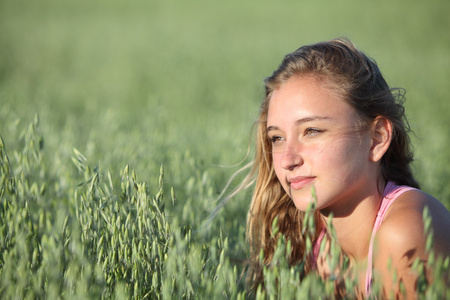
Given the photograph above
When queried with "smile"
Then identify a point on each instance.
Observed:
(299, 182)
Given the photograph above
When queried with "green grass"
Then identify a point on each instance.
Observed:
(173, 84)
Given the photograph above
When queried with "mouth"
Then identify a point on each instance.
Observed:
(297, 183)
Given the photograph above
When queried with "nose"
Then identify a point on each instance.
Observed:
(291, 156)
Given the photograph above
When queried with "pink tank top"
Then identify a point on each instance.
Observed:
(391, 192)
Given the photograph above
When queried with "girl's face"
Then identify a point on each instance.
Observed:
(317, 142)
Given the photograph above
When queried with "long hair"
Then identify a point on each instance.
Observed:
(359, 81)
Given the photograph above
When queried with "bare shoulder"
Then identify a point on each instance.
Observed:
(401, 239)
(404, 226)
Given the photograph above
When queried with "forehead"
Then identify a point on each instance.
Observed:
(306, 96)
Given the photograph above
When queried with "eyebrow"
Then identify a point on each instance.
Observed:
(301, 121)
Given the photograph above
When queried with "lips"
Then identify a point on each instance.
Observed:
(299, 182)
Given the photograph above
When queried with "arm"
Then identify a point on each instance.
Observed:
(401, 240)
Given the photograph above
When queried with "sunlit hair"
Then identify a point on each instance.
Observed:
(358, 80)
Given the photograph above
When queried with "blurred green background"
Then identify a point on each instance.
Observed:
(179, 83)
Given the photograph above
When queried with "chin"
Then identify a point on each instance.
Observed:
(302, 204)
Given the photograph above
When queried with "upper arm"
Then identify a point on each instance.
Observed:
(401, 240)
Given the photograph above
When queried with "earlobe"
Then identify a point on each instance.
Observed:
(381, 138)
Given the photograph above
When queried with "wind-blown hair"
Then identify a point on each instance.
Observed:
(358, 80)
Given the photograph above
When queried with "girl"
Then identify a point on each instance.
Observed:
(331, 123)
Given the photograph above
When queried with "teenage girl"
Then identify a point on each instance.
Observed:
(331, 123)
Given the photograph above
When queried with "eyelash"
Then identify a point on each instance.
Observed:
(275, 138)
(312, 130)
(308, 131)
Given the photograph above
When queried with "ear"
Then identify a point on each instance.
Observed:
(381, 138)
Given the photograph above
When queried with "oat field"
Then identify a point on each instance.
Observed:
(121, 123)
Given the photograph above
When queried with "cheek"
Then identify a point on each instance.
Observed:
(317, 153)
(329, 157)
(276, 162)
(279, 171)
(341, 159)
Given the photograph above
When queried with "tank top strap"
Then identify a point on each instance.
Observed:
(316, 247)
(390, 194)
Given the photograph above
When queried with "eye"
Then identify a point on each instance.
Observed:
(276, 139)
(312, 131)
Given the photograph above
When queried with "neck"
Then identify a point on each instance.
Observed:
(354, 224)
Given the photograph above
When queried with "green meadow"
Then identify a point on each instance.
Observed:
(122, 122)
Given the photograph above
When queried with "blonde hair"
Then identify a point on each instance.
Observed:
(358, 79)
